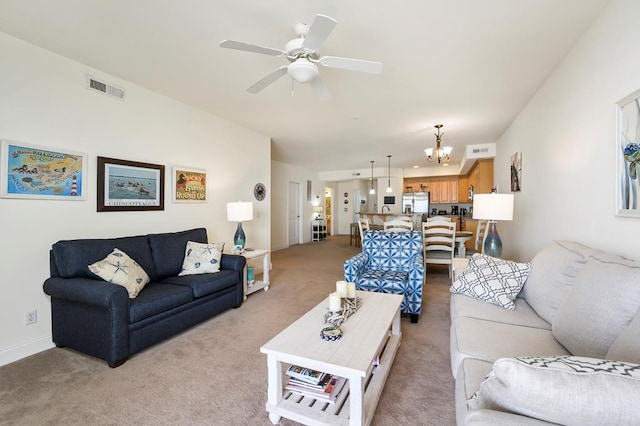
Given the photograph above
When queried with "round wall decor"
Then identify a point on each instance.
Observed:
(259, 191)
(346, 201)
(346, 194)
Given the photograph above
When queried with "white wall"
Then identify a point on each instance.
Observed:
(43, 101)
(567, 138)
(281, 175)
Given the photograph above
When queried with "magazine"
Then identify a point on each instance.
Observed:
(306, 375)
(328, 394)
(321, 385)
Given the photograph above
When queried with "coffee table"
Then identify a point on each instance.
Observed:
(372, 333)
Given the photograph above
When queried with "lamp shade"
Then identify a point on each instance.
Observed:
(239, 211)
(493, 206)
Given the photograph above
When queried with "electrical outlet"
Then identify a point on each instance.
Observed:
(31, 317)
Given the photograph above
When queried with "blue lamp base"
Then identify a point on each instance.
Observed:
(239, 238)
(492, 243)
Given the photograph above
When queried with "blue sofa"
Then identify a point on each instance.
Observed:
(98, 318)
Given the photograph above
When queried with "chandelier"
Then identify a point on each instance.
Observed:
(442, 152)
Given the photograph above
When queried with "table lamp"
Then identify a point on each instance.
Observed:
(317, 210)
(239, 212)
(493, 207)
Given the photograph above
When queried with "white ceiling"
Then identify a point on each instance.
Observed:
(468, 64)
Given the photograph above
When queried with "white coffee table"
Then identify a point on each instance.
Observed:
(373, 331)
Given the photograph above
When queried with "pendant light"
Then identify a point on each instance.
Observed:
(372, 191)
(389, 189)
(442, 153)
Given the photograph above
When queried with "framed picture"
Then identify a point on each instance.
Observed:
(516, 172)
(31, 171)
(129, 186)
(628, 155)
(189, 185)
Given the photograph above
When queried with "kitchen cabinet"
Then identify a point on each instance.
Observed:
(441, 189)
(444, 190)
(463, 189)
(470, 225)
(453, 189)
(481, 176)
(435, 196)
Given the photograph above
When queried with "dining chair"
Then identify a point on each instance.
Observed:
(439, 243)
(481, 235)
(398, 225)
(363, 225)
(439, 218)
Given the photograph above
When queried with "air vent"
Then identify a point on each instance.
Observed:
(105, 88)
(355, 174)
(480, 150)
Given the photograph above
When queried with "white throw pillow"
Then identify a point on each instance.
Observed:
(201, 258)
(601, 303)
(118, 268)
(553, 272)
(567, 390)
(493, 280)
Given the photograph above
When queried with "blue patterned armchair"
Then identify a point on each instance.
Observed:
(390, 262)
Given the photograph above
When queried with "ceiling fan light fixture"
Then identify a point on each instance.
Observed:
(302, 70)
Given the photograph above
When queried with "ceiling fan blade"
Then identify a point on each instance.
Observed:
(318, 32)
(238, 45)
(256, 88)
(351, 64)
(321, 90)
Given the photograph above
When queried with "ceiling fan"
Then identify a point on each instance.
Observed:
(302, 52)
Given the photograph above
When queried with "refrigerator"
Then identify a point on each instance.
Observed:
(415, 202)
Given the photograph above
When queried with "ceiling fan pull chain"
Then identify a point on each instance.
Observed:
(292, 88)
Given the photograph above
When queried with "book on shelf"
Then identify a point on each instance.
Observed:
(306, 375)
(328, 393)
(320, 385)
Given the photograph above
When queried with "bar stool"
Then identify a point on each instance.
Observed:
(354, 235)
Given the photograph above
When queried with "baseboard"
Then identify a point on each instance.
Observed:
(26, 349)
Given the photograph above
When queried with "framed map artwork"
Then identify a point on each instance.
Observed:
(30, 171)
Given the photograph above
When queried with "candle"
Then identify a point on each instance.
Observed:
(341, 288)
(334, 302)
(351, 290)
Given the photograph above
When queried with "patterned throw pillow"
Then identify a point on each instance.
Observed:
(493, 280)
(565, 389)
(201, 258)
(118, 268)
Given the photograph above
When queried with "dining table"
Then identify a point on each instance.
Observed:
(461, 238)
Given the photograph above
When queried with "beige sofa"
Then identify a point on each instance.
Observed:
(544, 361)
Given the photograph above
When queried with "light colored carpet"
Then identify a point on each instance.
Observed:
(214, 373)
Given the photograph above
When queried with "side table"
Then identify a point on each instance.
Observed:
(266, 265)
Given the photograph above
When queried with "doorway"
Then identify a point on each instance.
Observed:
(294, 213)
(328, 192)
